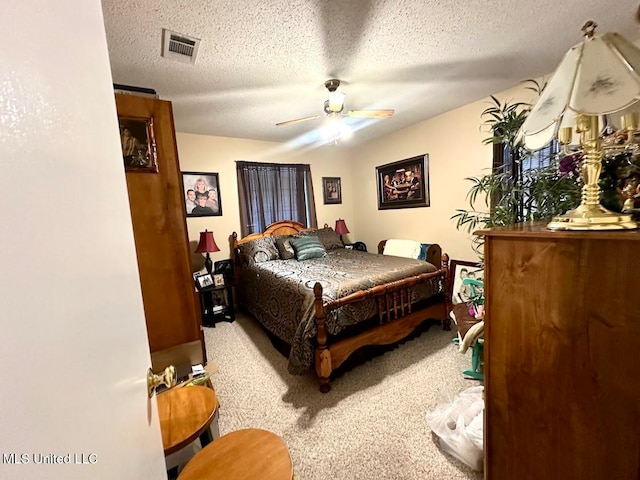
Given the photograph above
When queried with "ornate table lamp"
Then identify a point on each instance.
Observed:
(207, 244)
(341, 228)
(598, 76)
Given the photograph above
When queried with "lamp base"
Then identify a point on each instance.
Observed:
(208, 264)
(592, 217)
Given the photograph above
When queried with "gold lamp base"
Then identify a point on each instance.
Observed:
(592, 217)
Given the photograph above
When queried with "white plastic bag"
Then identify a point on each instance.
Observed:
(459, 423)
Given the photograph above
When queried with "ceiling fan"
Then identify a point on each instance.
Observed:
(334, 106)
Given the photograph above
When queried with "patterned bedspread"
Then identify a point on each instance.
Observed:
(279, 294)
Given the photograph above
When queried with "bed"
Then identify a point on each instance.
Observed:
(325, 308)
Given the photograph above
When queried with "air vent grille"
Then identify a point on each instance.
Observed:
(177, 46)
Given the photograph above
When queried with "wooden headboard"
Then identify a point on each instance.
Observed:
(284, 227)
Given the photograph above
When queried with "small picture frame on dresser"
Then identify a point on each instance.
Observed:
(218, 279)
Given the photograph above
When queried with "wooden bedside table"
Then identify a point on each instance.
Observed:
(216, 304)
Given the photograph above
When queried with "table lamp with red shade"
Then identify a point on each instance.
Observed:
(207, 244)
(341, 228)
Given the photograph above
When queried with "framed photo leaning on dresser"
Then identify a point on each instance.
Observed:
(461, 290)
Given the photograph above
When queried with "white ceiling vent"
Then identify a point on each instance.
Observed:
(177, 46)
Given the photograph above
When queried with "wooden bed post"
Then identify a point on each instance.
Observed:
(446, 323)
(233, 244)
(323, 354)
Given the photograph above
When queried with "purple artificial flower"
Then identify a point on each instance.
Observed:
(569, 166)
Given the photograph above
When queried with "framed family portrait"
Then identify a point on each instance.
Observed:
(466, 281)
(331, 190)
(404, 184)
(138, 144)
(201, 194)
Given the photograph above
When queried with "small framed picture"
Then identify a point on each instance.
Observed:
(204, 281)
(225, 267)
(219, 299)
(138, 144)
(218, 279)
(331, 190)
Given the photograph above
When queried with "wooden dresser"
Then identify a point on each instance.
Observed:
(562, 354)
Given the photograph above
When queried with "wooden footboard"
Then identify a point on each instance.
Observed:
(395, 315)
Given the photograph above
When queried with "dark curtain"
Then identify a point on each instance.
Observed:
(270, 192)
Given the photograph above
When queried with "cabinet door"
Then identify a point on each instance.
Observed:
(160, 231)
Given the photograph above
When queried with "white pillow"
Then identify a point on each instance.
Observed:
(402, 248)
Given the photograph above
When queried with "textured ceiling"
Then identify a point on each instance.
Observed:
(264, 62)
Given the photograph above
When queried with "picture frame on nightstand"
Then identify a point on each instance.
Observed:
(204, 281)
(225, 267)
(218, 279)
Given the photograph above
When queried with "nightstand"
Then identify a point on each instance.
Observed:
(216, 304)
(356, 246)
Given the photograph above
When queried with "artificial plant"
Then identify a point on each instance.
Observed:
(511, 194)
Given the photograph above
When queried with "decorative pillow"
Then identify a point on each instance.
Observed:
(329, 238)
(283, 244)
(308, 247)
(259, 250)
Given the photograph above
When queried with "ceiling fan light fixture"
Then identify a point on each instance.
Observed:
(336, 101)
(335, 129)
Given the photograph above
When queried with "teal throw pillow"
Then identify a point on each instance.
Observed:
(308, 247)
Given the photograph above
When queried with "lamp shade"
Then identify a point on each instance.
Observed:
(341, 227)
(598, 76)
(207, 243)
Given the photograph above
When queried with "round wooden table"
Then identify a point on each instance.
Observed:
(250, 454)
(185, 414)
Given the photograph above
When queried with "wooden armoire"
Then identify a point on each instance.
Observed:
(159, 227)
(562, 342)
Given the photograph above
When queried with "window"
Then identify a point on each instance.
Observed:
(520, 174)
(270, 192)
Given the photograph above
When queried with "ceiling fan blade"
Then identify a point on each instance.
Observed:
(371, 113)
(297, 120)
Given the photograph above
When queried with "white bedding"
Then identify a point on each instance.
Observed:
(402, 248)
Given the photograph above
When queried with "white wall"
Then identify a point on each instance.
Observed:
(73, 341)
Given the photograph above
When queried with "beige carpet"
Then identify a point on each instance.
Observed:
(371, 425)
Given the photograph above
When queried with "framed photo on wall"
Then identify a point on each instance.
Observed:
(201, 194)
(404, 184)
(138, 144)
(460, 290)
(331, 190)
